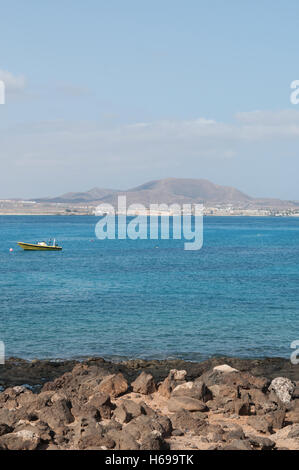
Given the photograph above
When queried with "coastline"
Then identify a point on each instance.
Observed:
(150, 405)
(36, 372)
(62, 214)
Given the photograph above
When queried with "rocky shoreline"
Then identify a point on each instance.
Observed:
(218, 404)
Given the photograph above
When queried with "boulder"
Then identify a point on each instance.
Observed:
(232, 431)
(147, 410)
(178, 375)
(102, 402)
(226, 369)
(57, 414)
(185, 421)
(197, 390)
(135, 409)
(237, 444)
(174, 378)
(114, 385)
(39, 428)
(90, 435)
(20, 440)
(277, 418)
(242, 407)
(145, 425)
(5, 429)
(288, 432)
(260, 424)
(261, 443)
(292, 417)
(153, 441)
(235, 380)
(144, 384)
(296, 391)
(127, 442)
(177, 403)
(8, 417)
(283, 388)
(121, 414)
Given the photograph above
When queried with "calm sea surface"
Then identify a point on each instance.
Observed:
(238, 295)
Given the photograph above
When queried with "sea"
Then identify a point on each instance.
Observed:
(237, 296)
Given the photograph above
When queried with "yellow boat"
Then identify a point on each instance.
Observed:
(40, 246)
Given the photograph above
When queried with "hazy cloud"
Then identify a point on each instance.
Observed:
(13, 83)
(136, 152)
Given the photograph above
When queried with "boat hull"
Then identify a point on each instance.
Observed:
(33, 247)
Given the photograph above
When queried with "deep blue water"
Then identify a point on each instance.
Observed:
(238, 295)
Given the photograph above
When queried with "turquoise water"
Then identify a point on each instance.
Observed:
(238, 295)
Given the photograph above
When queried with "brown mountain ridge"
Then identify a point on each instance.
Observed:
(170, 191)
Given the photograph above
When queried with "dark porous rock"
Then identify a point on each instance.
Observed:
(242, 407)
(261, 401)
(125, 441)
(57, 413)
(197, 390)
(174, 378)
(294, 432)
(166, 426)
(8, 417)
(295, 393)
(39, 428)
(153, 441)
(223, 397)
(102, 402)
(233, 431)
(261, 443)
(237, 444)
(177, 403)
(121, 414)
(235, 380)
(133, 408)
(5, 429)
(260, 424)
(90, 435)
(292, 417)
(213, 433)
(147, 410)
(114, 385)
(20, 440)
(14, 397)
(288, 432)
(185, 421)
(144, 384)
(86, 410)
(277, 418)
(145, 425)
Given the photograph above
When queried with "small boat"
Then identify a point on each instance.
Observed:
(40, 246)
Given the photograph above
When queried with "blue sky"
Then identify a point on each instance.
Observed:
(115, 93)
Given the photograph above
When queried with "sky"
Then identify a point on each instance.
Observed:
(113, 94)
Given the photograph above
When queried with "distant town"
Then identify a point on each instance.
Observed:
(13, 207)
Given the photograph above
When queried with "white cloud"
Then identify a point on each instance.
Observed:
(78, 151)
(13, 83)
(266, 118)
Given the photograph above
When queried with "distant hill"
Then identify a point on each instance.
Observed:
(170, 191)
(94, 194)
